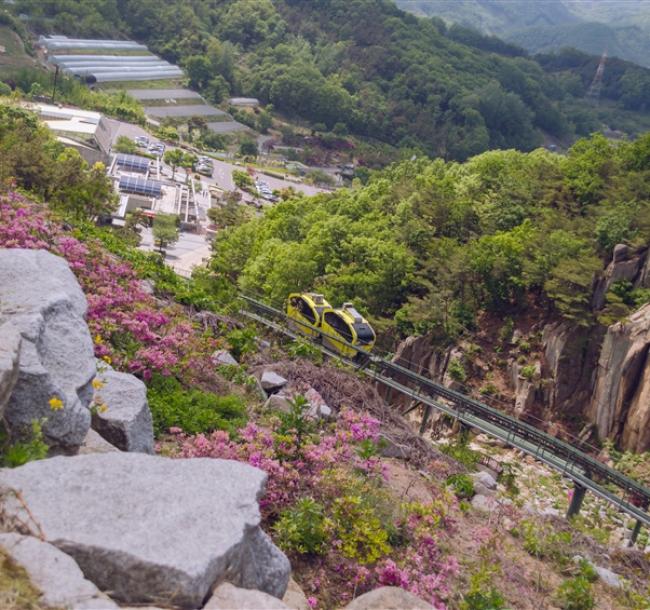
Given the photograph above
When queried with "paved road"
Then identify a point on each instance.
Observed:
(222, 177)
(191, 250)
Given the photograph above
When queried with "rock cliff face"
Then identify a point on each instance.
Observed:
(596, 375)
(620, 406)
(570, 355)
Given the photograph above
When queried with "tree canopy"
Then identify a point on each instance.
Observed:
(426, 244)
(366, 68)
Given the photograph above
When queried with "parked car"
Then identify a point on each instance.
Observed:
(156, 148)
(142, 141)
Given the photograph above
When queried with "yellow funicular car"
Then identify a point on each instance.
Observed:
(341, 330)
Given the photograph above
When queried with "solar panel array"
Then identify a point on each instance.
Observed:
(141, 186)
(132, 162)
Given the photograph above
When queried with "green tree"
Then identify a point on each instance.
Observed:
(199, 70)
(248, 148)
(165, 231)
(125, 145)
(176, 158)
(242, 180)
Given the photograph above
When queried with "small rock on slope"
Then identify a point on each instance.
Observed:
(126, 422)
(54, 574)
(229, 597)
(388, 598)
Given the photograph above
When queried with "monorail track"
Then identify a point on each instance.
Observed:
(587, 473)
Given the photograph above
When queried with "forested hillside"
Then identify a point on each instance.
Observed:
(363, 67)
(620, 27)
(426, 246)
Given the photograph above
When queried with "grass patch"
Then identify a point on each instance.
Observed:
(193, 410)
(16, 590)
(14, 54)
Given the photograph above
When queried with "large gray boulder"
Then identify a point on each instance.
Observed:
(41, 298)
(388, 598)
(55, 574)
(124, 418)
(9, 352)
(151, 529)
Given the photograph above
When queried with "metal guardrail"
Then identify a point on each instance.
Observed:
(583, 469)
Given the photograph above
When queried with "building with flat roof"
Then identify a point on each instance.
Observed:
(88, 132)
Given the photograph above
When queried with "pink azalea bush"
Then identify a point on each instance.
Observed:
(333, 467)
(130, 329)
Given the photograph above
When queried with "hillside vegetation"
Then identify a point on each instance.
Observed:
(362, 67)
(427, 245)
(620, 27)
(350, 519)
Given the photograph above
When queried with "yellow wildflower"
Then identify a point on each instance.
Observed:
(98, 339)
(56, 404)
(98, 384)
(107, 359)
(102, 408)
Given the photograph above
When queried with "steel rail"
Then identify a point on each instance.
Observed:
(583, 469)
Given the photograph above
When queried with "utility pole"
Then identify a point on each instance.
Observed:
(56, 76)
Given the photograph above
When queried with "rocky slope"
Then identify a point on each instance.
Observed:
(594, 379)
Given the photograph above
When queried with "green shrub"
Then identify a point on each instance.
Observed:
(303, 349)
(242, 341)
(575, 594)
(541, 541)
(457, 371)
(295, 421)
(524, 346)
(462, 484)
(360, 530)
(505, 333)
(461, 452)
(191, 409)
(20, 452)
(303, 528)
(484, 600)
(489, 389)
(237, 374)
(482, 595)
(527, 372)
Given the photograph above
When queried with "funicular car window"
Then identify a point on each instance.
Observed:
(306, 310)
(340, 325)
(364, 333)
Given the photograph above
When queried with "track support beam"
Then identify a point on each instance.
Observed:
(635, 533)
(576, 500)
(425, 418)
